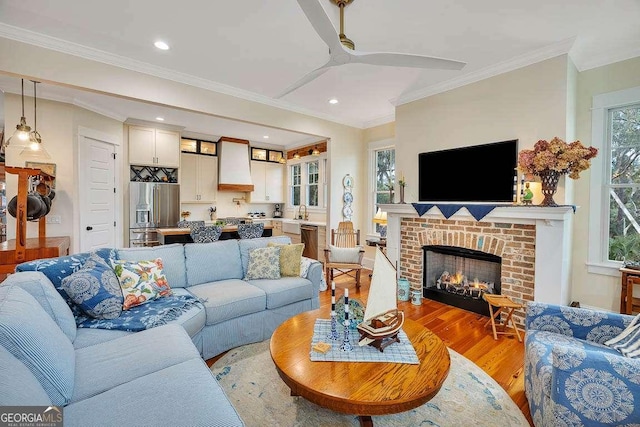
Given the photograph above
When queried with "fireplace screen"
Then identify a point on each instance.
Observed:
(459, 276)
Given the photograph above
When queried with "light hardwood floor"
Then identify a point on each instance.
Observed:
(461, 330)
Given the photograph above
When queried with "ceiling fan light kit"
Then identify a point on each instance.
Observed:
(342, 49)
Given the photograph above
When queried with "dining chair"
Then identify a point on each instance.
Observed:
(250, 231)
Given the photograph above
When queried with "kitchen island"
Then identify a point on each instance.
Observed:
(182, 235)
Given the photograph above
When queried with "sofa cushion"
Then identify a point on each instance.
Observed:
(41, 288)
(141, 281)
(104, 366)
(95, 289)
(264, 263)
(87, 337)
(29, 334)
(285, 290)
(183, 394)
(172, 257)
(228, 299)
(209, 262)
(247, 245)
(290, 258)
(18, 385)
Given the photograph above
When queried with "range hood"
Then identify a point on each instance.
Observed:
(234, 170)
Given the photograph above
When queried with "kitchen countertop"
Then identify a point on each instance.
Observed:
(177, 231)
(305, 222)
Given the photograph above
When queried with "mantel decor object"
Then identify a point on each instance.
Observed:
(551, 159)
(402, 183)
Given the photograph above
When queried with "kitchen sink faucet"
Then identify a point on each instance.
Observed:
(306, 215)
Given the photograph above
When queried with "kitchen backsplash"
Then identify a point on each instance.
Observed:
(226, 207)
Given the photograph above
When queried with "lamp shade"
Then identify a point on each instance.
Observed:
(380, 217)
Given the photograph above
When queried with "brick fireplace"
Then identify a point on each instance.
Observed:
(532, 242)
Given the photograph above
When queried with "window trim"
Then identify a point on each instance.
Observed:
(322, 182)
(598, 252)
(384, 144)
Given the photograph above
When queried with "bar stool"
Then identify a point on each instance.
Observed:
(503, 302)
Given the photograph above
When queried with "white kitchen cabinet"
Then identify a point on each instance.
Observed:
(268, 182)
(154, 147)
(198, 178)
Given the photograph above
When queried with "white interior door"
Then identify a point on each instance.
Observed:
(97, 194)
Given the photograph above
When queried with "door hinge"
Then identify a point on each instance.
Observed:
(113, 155)
(114, 223)
(114, 189)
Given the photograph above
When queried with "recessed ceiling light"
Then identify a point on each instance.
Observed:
(333, 101)
(160, 119)
(161, 45)
(266, 137)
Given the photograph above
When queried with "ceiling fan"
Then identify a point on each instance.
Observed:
(342, 50)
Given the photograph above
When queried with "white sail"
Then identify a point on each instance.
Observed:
(383, 290)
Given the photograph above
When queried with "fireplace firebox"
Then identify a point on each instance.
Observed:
(460, 276)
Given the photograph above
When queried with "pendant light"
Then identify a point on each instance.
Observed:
(296, 155)
(20, 137)
(315, 151)
(35, 150)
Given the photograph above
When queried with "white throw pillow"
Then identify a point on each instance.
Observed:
(628, 342)
(344, 255)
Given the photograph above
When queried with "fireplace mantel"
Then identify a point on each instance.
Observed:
(552, 241)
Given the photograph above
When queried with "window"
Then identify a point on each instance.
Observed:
(307, 183)
(296, 181)
(614, 206)
(383, 173)
(313, 175)
(624, 183)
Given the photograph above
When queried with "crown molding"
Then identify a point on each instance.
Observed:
(99, 110)
(521, 61)
(75, 49)
(611, 58)
(380, 121)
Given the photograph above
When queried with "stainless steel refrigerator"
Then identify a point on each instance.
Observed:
(152, 205)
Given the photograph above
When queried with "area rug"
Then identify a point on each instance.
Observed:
(468, 397)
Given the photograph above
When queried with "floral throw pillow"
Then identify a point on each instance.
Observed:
(95, 289)
(264, 263)
(290, 258)
(141, 281)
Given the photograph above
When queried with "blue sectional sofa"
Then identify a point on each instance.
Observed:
(148, 378)
(571, 377)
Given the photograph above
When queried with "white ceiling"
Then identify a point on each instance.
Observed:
(256, 48)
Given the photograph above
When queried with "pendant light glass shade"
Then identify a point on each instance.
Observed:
(315, 151)
(35, 150)
(20, 137)
(296, 155)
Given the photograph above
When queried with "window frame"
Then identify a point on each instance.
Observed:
(304, 182)
(374, 147)
(598, 252)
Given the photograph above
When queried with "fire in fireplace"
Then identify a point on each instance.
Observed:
(476, 273)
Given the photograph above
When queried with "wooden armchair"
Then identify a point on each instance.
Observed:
(344, 253)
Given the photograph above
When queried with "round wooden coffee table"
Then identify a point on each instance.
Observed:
(360, 388)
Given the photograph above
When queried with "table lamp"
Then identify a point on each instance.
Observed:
(381, 218)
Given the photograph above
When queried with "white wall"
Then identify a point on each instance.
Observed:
(58, 124)
(595, 289)
(345, 147)
(526, 104)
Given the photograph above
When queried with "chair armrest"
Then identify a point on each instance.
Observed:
(591, 325)
(316, 276)
(597, 387)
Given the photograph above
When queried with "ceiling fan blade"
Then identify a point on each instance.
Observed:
(320, 22)
(405, 60)
(306, 79)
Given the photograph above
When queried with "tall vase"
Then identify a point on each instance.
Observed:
(549, 186)
(402, 194)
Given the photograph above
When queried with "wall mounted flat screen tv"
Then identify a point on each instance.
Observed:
(479, 173)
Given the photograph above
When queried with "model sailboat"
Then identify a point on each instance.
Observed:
(382, 319)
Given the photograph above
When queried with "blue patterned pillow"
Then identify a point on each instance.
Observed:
(95, 289)
(264, 263)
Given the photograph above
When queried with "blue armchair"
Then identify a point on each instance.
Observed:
(571, 377)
